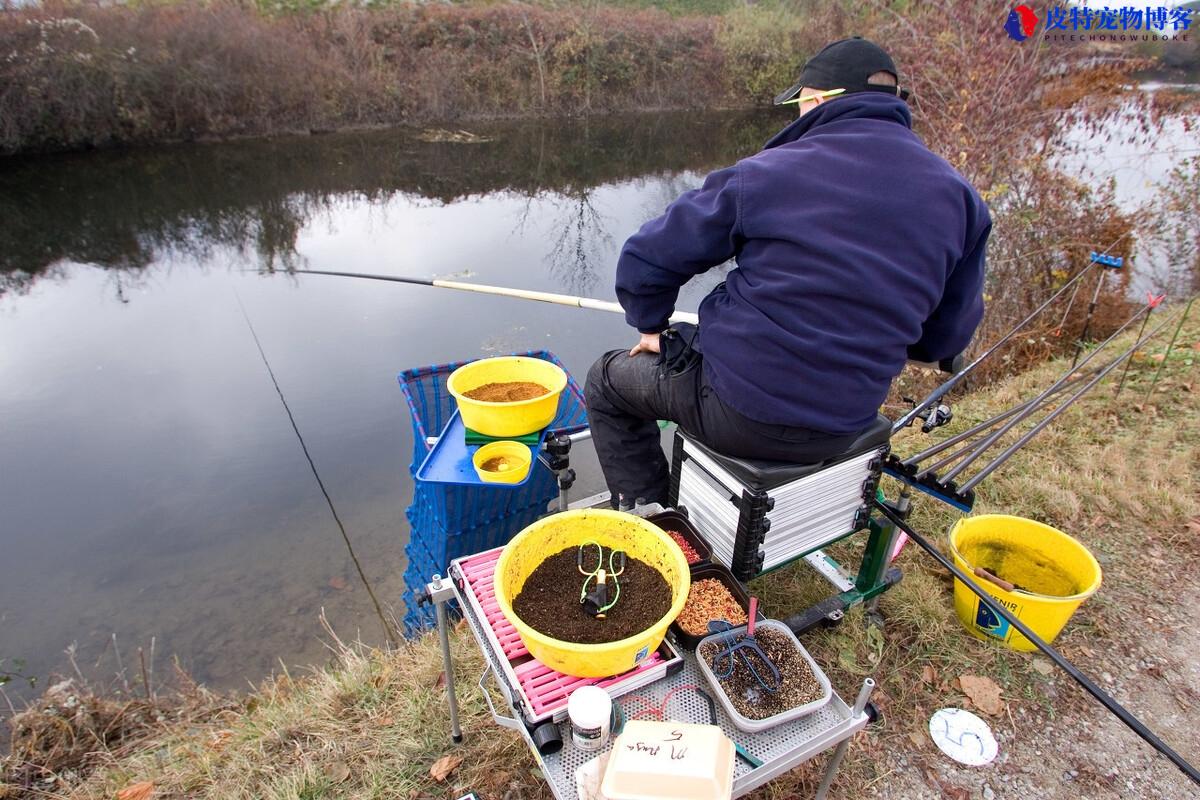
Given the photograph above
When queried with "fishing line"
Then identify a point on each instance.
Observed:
(387, 628)
(998, 608)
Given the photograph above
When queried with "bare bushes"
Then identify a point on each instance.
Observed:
(1013, 117)
(78, 75)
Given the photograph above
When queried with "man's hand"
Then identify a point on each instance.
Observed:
(647, 344)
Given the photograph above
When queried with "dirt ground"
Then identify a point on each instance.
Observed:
(1064, 744)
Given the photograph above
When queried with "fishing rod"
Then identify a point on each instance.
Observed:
(991, 466)
(1174, 337)
(387, 627)
(985, 424)
(502, 291)
(1101, 258)
(957, 378)
(999, 610)
(1019, 418)
(1032, 405)
(1153, 301)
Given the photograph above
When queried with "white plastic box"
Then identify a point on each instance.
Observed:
(669, 761)
(755, 725)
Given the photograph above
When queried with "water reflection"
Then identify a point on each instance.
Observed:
(153, 486)
(126, 211)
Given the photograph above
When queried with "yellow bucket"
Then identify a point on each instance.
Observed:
(1052, 571)
(507, 419)
(611, 529)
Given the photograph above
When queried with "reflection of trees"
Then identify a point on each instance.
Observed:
(126, 210)
(583, 243)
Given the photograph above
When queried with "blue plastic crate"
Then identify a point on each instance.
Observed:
(441, 547)
(448, 521)
(430, 551)
(454, 509)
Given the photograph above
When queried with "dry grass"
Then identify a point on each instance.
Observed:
(1115, 474)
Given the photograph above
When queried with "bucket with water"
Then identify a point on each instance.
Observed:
(1051, 572)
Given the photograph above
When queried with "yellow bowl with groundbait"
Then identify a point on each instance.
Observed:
(502, 462)
(512, 417)
(640, 539)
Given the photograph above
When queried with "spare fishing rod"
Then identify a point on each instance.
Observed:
(1066, 666)
(383, 620)
(1153, 302)
(1032, 405)
(957, 378)
(991, 466)
(988, 423)
(992, 438)
(1101, 258)
(1174, 338)
(502, 291)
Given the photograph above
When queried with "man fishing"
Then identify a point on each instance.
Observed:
(857, 248)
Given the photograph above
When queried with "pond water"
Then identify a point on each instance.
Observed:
(150, 481)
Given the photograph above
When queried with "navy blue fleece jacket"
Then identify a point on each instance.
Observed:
(856, 247)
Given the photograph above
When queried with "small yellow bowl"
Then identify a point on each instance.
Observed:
(514, 455)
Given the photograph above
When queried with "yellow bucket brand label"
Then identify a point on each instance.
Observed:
(991, 623)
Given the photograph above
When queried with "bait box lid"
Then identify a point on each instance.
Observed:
(654, 760)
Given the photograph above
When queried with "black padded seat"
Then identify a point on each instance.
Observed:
(764, 475)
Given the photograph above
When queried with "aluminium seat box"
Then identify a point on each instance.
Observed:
(758, 515)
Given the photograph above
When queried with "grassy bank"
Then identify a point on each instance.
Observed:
(372, 723)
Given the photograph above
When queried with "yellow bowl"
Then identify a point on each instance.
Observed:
(515, 453)
(507, 419)
(638, 538)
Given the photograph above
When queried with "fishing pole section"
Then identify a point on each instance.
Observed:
(944, 478)
(501, 291)
(897, 518)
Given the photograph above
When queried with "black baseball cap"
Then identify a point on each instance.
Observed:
(845, 64)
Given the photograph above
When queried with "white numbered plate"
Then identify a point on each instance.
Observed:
(963, 736)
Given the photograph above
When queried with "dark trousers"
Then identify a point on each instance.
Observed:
(627, 395)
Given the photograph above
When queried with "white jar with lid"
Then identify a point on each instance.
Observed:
(590, 711)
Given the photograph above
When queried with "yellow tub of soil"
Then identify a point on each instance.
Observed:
(640, 539)
(1052, 575)
(507, 418)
